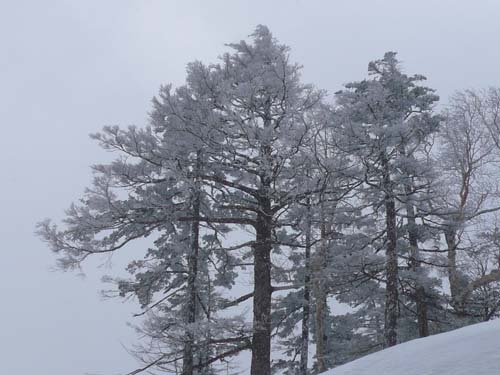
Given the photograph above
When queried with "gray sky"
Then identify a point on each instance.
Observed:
(69, 67)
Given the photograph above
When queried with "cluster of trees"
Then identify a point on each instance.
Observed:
(363, 223)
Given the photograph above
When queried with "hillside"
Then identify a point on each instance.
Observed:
(473, 350)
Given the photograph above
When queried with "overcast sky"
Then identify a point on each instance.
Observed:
(69, 67)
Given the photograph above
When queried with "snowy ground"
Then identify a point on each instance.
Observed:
(473, 350)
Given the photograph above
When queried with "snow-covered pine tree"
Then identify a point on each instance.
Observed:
(152, 190)
(386, 118)
(255, 129)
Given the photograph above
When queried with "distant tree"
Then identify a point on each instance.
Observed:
(469, 192)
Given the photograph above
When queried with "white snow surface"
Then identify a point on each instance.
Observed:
(472, 350)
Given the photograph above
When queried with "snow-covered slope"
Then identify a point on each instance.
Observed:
(473, 350)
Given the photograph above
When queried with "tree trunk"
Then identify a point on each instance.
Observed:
(420, 297)
(306, 307)
(422, 317)
(192, 288)
(451, 243)
(261, 341)
(391, 297)
(321, 295)
(415, 263)
(261, 338)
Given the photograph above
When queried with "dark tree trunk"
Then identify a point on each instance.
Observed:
(415, 262)
(321, 295)
(261, 341)
(422, 317)
(306, 307)
(192, 288)
(420, 296)
(450, 235)
(391, 298)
